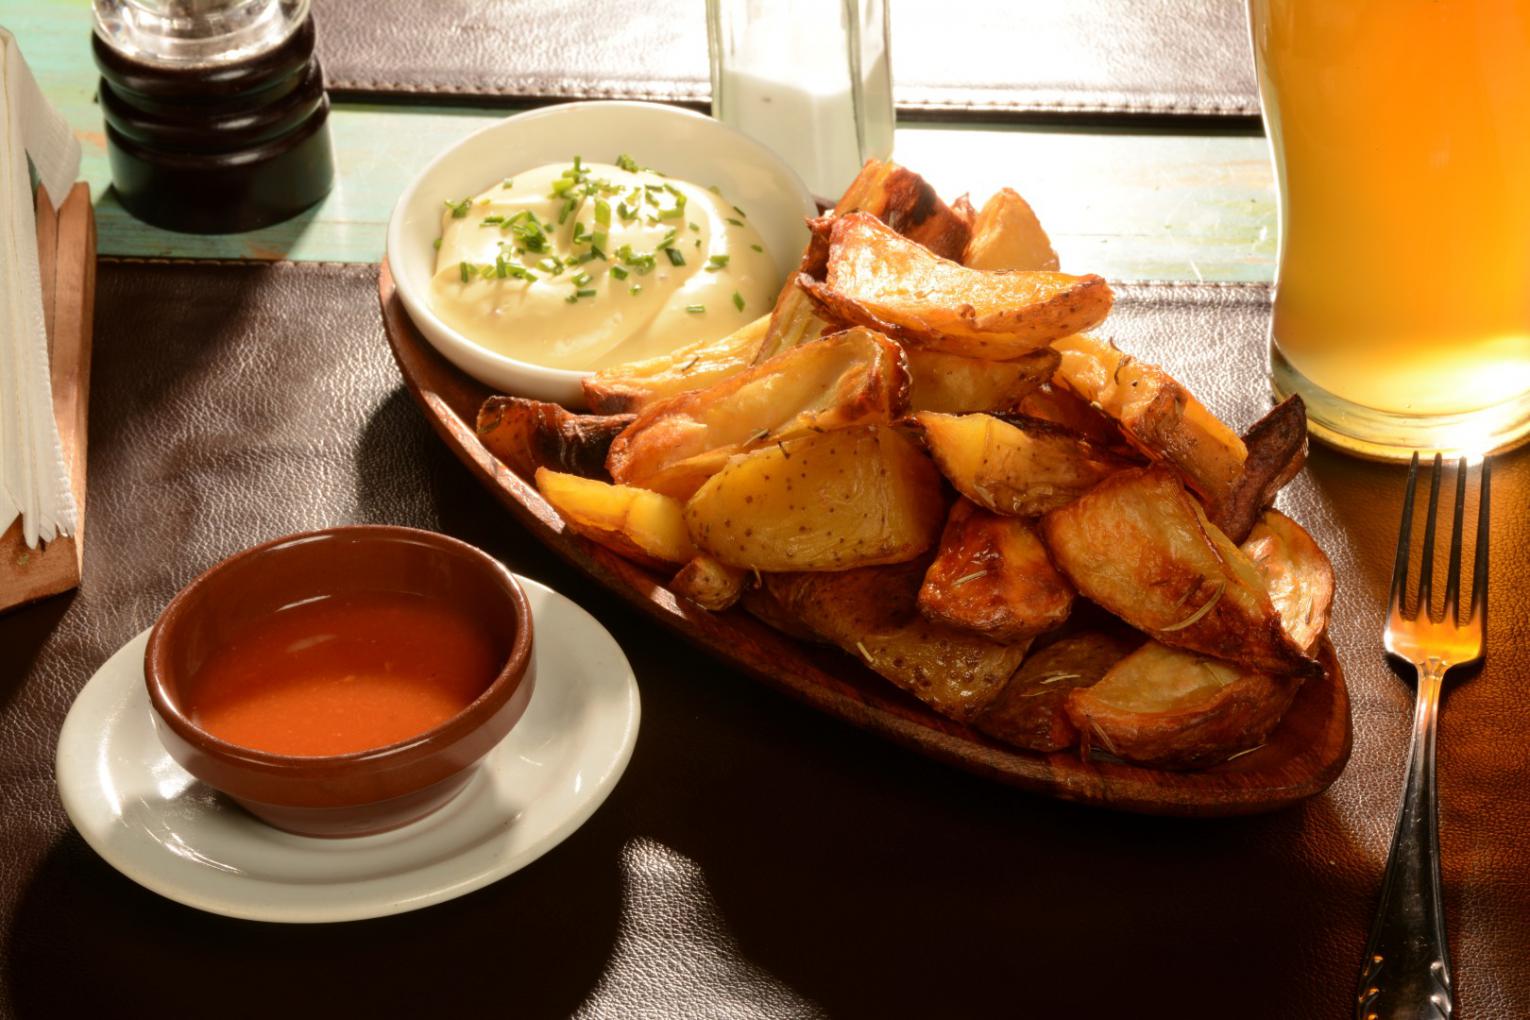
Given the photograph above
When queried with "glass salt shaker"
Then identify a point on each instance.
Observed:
(808, 78)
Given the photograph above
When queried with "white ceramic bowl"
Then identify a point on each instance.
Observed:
(684, 144)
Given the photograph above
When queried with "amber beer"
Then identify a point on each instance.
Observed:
(1401, 137)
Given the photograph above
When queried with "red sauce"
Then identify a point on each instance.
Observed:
(343, 674)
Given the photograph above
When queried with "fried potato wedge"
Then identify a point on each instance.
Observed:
(952, 384)
(1030, 711)
(850, 378)
(1018, 467)
(1157, 415)
(900, 198)
(530, 434)
(1277, 449)
(1061, 407)
(870, 613)
(874, 277)
(639, 384)
(1296, 573)
(1170, 708)
(1007, 235)
(709, 584)
(992, 577)
(643, 526)
(1140, 546)
(823, 501)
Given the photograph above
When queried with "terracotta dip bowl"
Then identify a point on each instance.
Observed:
(366, 791)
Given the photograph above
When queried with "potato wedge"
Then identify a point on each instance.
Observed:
(851, 378)
(823, 501)
(992, 577)
(709, 584)
(874, 277)
(952, 384)
(1140, 546)
(1018, 467)
(1007, 235)
(643, 526)
(1062, 407)
(1170, 708)
(1157, 415)
(1031, 710)
(870, 613)
(639, 384)
(530, 434)
(898, 197)
(1296, 573)
(1277, 449)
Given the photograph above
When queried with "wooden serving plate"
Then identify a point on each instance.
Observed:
(1301, 758)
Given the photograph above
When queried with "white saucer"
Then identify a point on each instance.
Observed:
(160, 827)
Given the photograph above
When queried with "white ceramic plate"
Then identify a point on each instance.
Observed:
(679, 142)
(160, 827)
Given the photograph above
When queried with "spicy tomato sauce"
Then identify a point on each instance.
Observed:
(343, 674)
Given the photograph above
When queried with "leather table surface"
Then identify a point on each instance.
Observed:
(983, 58)
(757, 860)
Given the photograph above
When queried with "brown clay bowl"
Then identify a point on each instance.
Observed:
(365, 791)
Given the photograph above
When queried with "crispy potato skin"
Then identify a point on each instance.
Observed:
(870, 613)
(709, 584)
(1157, 415)
(1061, 407)
(1297, 574)
(876, 278)
(1017, 467)
(643, 526)
(992, 577)
(952, 384)
(851, 378)
(1030, 711)
(1140, 546)
(530, 434)
(1277, 449)
(823, 501)
(639, 384)
(1007, 235)
(1169, 708)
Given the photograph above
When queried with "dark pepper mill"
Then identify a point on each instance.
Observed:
(216, 117)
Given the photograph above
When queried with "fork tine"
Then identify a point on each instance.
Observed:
(1453, 572)
(1400, 567)
(1426, 567)
(1480, 564)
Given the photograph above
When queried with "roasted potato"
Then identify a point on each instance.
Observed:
(1140, 546)
(1170, 708)
(1157, 415)
(1019, 467)
(850, 378)
(1296, 573)
(709, 584)
(1007, 235)
(639, 384)
(1062, 407)
(1030, 711)
(1277, 449)
(875, 278)
(992, 577)
(952, 384)
(870, 613)
(529, 434)
(643, 526)
(823, 501)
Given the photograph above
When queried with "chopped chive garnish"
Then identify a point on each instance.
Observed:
(694, 227)
(717, 262)
(602, 212)
(466, 269)
(584, 293)
(460, 209)
(738, 301)
(437, 244)
(619, 272)
(598, 249)
(577, 167)
(580, 279)
(757, 248)
(553, 265)
(628, 164)
(625, 213)
(486, 271)
(635, 289)
(571, 298)
(698, 242)
(675, 258)
(672, 213)
(714, 189)
(741, 213)
(695, 309)
(491, 221)
(501, 267)
(521, 272)
(736, 223)
(507, 185)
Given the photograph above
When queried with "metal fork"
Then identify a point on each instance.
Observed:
(1407, 963)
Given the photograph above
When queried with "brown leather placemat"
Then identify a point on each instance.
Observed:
(982, 58)
(757, 859)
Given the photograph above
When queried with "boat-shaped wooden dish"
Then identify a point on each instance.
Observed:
(1301, 758)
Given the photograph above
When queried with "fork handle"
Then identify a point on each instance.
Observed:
(1406, 975)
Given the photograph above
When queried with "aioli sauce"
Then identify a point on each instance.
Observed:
(343, 674)
(589, 265)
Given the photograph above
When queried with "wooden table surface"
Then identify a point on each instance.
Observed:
(1127, 203)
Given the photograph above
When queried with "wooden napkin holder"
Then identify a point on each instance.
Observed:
(66, 255)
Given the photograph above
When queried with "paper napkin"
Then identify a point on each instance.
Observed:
(34, 480)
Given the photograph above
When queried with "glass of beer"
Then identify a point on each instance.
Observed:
(1400, 131)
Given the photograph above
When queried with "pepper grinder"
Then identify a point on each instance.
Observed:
(216, 117)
